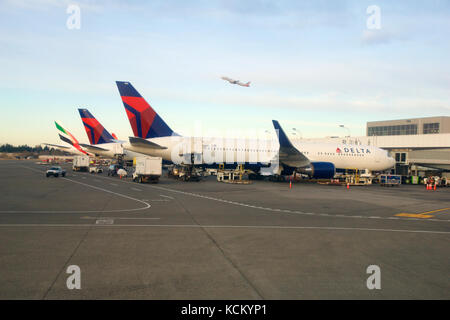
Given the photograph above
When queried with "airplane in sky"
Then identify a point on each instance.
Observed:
(74, 146)
(102, 143)
(236, 82)
(152, 136)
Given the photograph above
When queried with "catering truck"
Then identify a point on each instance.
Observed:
(148, 169)
(80, 163)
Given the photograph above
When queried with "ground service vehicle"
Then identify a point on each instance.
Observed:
(112, 169)
(80, 163)
(185, 172)
(148, 169)
(95, 170)
(390, 180)
(56, 172)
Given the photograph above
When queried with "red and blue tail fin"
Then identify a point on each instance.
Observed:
(145, 122)
(96, 133)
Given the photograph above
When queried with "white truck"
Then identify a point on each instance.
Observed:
(80, 163)
(148, 169)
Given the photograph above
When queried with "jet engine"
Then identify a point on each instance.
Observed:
(320, 170)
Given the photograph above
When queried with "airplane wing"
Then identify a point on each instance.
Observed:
(63, 148)
(56, 146)
(139, 142)
(92, 148)
(288, 154)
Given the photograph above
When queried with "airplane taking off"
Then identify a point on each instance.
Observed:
(319, 160)
(67, 137)
(236, 82)
(102, 143)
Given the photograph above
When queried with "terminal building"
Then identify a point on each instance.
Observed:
(419, 145)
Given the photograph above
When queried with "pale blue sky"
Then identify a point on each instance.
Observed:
(313, 65)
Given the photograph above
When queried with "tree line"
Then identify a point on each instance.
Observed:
(9, 148)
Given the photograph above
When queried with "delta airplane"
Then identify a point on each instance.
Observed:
(152, 136)
(102, 143)
(236, 82)
(74, 148)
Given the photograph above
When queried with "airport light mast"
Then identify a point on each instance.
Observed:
(295, 131)
(342, 126)
(348, 136)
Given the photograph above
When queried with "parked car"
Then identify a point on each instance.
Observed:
(55, 171)
(95, 170)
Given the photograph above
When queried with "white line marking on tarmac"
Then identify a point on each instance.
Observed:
(104, 221)
(113, 184)
(119, 218)
(166, 196)
(274, 209)
(147, 205)
(227, 227)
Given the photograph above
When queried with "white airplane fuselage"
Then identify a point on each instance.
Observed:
(252, 151)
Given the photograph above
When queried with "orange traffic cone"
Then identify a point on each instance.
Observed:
(348, 185)
(435, 186)
(290, 184)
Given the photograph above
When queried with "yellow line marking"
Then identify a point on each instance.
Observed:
(423, 215)
(436, 210)
(413, 215)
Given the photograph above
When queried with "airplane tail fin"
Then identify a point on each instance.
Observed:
(145, 122)
(282, 137)
(96, 133)
(248, 84)
(73, 140)
(69, 138)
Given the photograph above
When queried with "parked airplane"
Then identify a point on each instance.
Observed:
(236, 82)
(102, 143)
(67, 137)
(320, 160)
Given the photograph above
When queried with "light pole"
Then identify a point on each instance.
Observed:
(342, 126)
(348, 136)
(297, 133)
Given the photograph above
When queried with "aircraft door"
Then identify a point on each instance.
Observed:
(197, 150)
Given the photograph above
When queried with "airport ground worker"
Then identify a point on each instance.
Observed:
(121, 173)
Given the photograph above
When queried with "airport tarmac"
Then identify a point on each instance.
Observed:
(211, 240)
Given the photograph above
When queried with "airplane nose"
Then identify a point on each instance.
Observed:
(391, 161)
